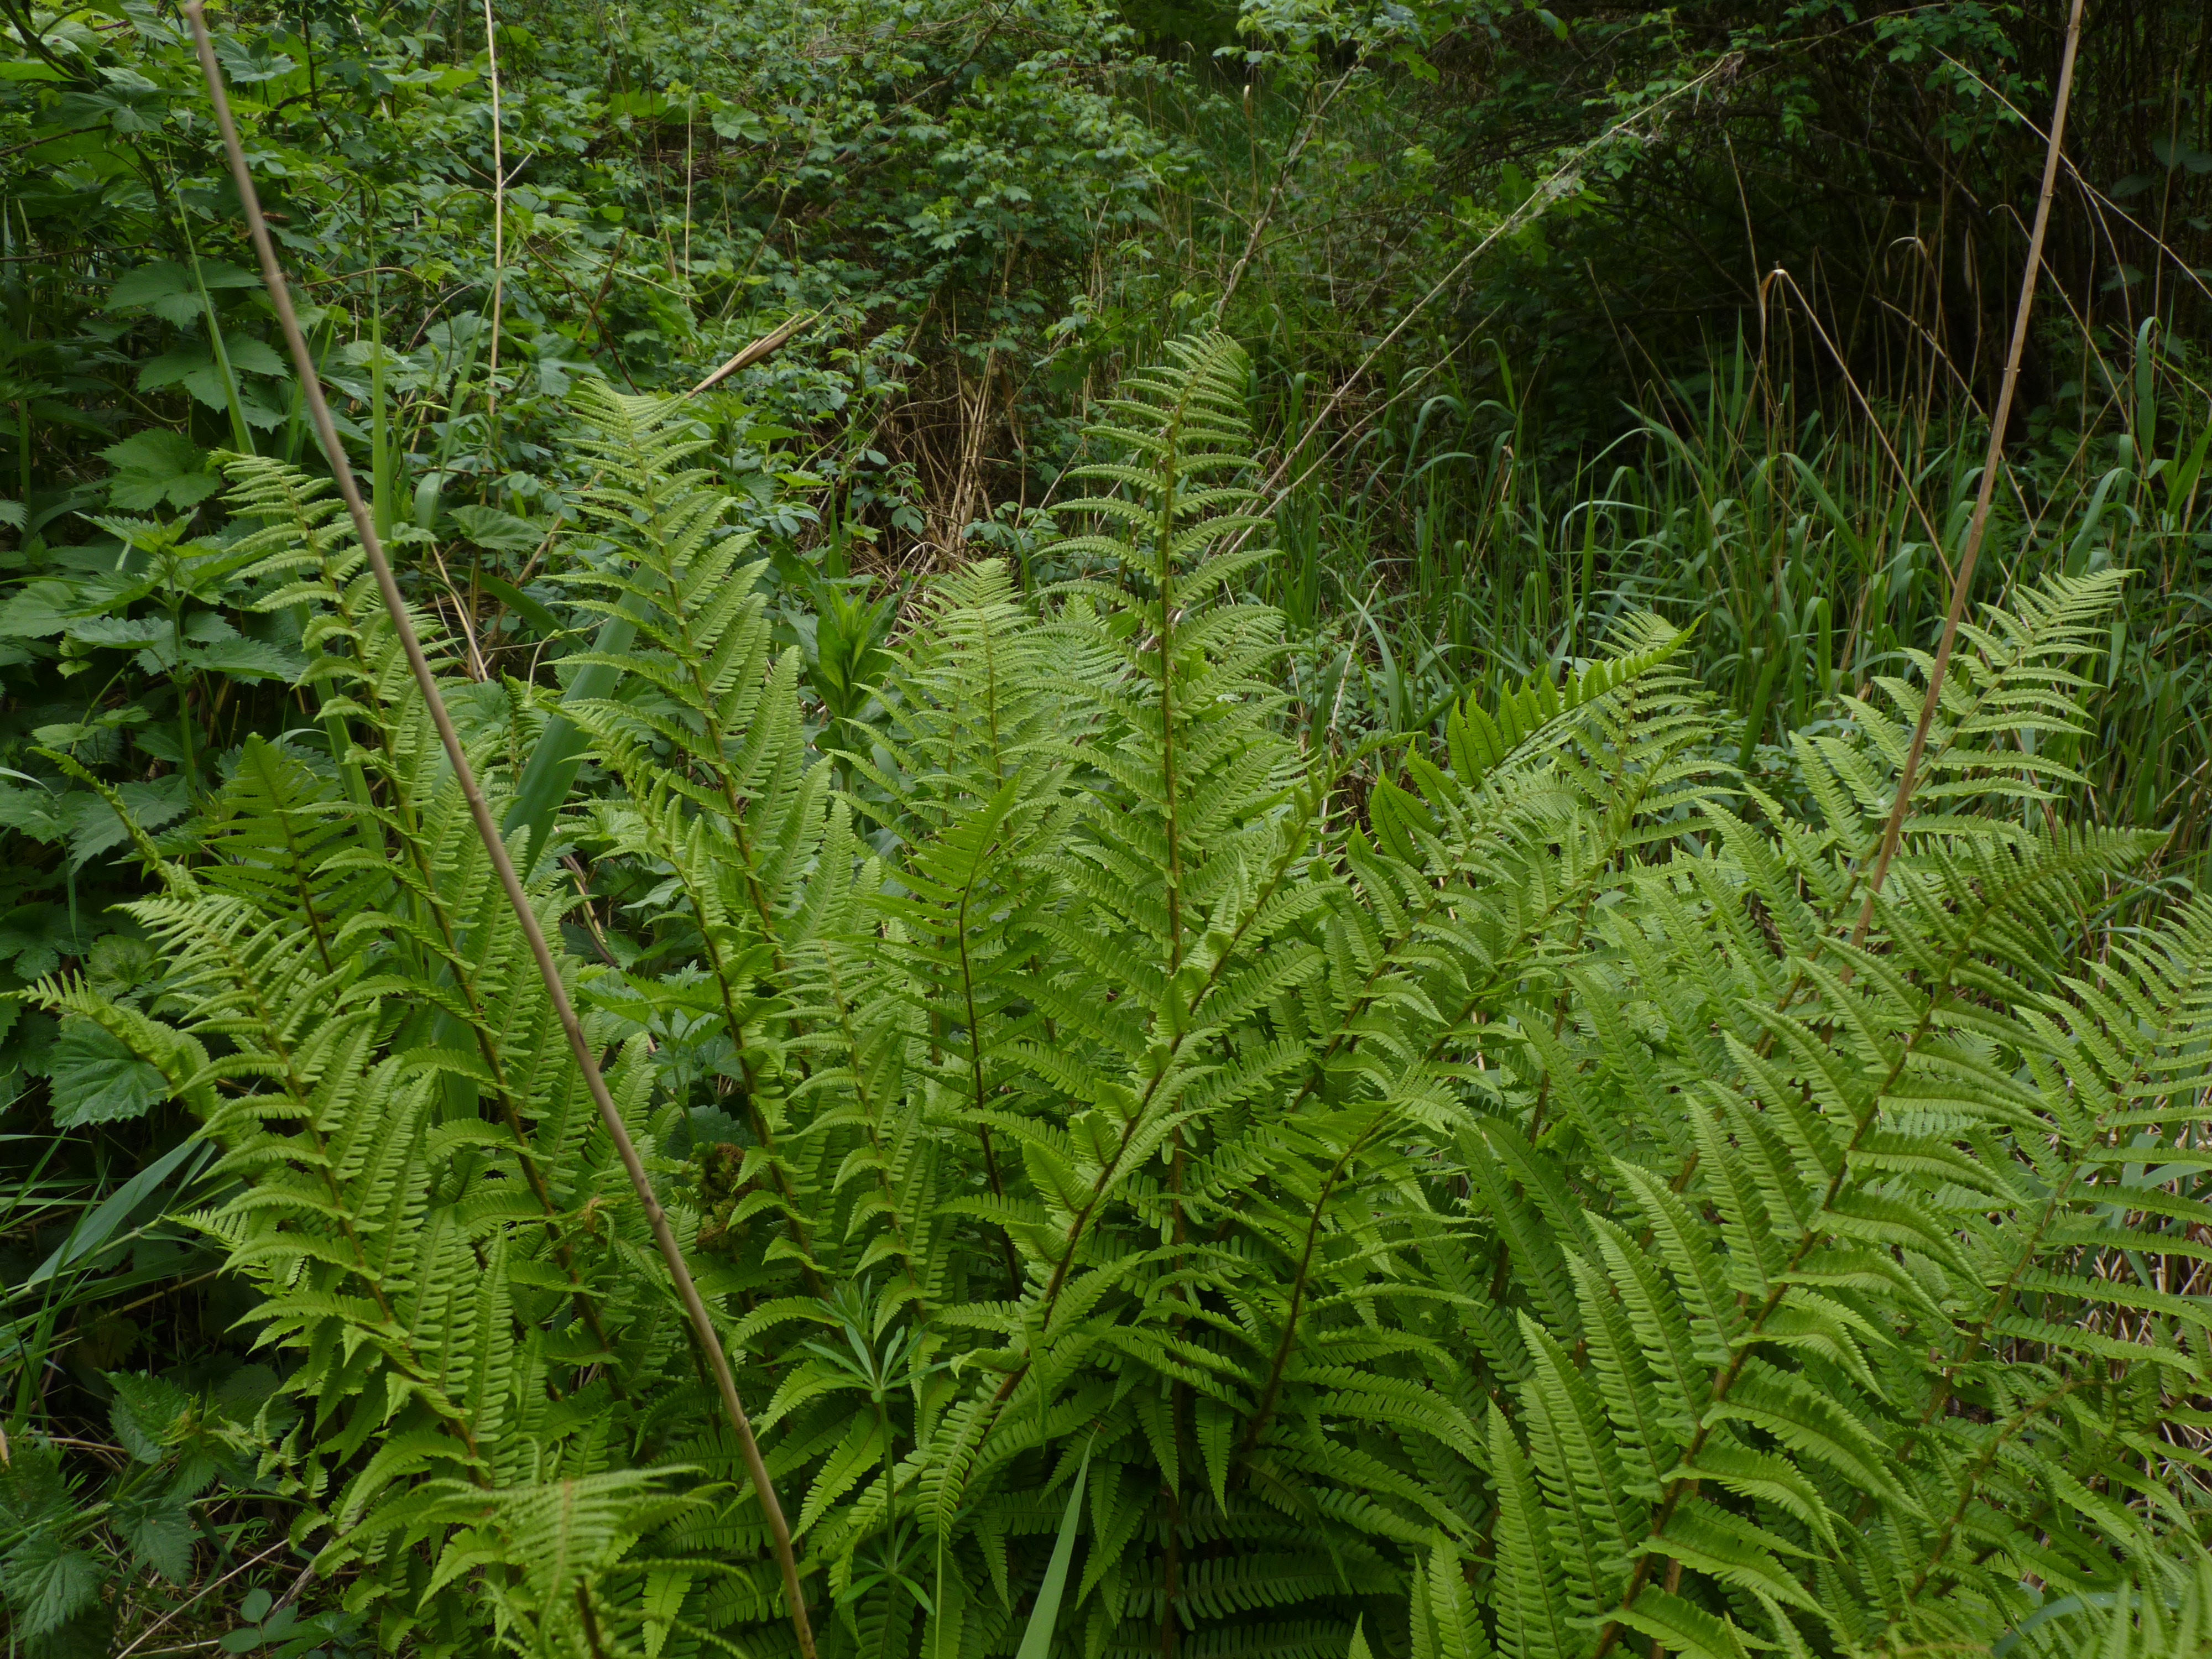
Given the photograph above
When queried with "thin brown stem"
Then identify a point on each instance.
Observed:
(1978, 525)
(1265, 1412)
(496, 849)
(976, 1072)
(498, 218)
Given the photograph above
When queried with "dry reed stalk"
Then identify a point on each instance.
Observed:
(495, 848)
(498, 221)
(752, 353)
(1978, 526)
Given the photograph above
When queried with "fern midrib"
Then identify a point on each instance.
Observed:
(1293, 841)
(1292, 844)
(1859, 872)
(2099, 1138)
(301, 1097)
(409, 826)
(975, 1055)
(2027, 646)
(381, 722)
(672, 606)
(1814, 1235)
(1176, 1041)
(1264, 1409)
(480, 1027)
(297, 858)
(1490, 989)
(719, 970)
(316, 539)
(1970, 1487)
(870, 1115)
(1164, 543)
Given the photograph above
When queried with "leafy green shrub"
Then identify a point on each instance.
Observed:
(1512, 1211)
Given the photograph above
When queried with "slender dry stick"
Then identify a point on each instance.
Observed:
(498, 220)
(1895, 827)
(1563, 178)
(1282, 179)
(310, 387)
(747, 355)
(689, 111)
(153, 1628)
(1874, 422)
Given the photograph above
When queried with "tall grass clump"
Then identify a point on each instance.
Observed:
(1439, 548)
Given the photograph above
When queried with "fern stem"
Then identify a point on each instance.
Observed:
(591, 1622)
(1293, 844)
(1970, 1488)
(871, 1126)
(1164, 546)
(720, 968)
(301, 1093)
(975, 1063)
(1680, 1485)
(1265, 1411)
(2100, 1139)
(479, 1024)
(1171, 1563)
(464, 775)
(748, 867)
(426, 899)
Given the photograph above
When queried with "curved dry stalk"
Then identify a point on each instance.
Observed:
(663, 1236)
(1892, 830)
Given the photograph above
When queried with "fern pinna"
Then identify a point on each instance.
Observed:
(1511, 1207)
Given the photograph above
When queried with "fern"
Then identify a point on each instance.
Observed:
(1503, 1208)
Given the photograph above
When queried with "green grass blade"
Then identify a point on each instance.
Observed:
(551, 768)
(1036, 1638)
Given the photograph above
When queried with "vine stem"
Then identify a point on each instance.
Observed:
(364, 526)
(1893, 829)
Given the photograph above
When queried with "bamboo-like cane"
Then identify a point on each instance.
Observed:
(748, 355)
(318, 409)
(1894, 828)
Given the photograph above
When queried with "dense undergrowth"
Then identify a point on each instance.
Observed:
(1250, 958)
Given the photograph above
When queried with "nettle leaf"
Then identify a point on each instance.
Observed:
(158, 1531)
(95, 828)
(121, 630)
(42, 608)
(48, 1583)
(735, 124)
(90, 1635)
(247, 63)
(30, 811)
(250, 356)
(502, 532)
(158, 465)
(97, 1080)
(32, 1490)
(166, 289)
(246, 659)
(194, 368)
